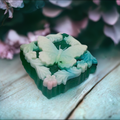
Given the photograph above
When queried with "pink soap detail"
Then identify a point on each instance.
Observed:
(49, 85)
(50, 82)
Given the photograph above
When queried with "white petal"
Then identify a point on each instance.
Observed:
(94, 14)
(10, 10)
(61, 3)
(2, 5)
(51, 12)
(15, 3)
(66, 25)
(113, 32)
(111, 16)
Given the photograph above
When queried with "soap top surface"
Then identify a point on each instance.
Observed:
(58, 55)
(60, 49)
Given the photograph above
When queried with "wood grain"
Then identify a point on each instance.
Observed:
(10, 71)
(103, 102)
(22, 99)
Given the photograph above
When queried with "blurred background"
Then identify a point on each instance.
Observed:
(93, 22)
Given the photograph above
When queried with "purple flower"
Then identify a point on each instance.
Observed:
(15, 3)
(13, 41)
(118, 2)
(97, 2)
(110, 17)
(8, 4)
(5, 51)
(66, 25)
(113, 31)
(3, 5)
(51, 12)
(55, 11)
(32, 36)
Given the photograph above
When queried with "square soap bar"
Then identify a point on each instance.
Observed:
(57, 63)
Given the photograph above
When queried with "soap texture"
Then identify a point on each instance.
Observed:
(57, 63)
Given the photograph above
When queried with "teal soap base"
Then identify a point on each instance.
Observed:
(59, 88)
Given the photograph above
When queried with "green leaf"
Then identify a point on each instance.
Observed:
(62, 76)
(28, 47)
(30, 55)
(42, 72)
(36, 62)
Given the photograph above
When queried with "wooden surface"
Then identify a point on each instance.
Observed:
(105, 103)
(97, 97)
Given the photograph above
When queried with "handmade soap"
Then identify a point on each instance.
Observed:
(57, 63)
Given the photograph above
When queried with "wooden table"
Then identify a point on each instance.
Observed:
(97, 97)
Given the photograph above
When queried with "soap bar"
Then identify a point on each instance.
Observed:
(57, 62)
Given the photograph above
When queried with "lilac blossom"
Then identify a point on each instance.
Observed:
(113, 31)
(110, 17)
(66, 25)
(63, 22)
(8, 5)
(51, 12)
(6, 51)
(13, 41)
(118, 2)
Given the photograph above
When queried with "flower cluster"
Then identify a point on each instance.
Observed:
(8, 6)
(111, 17)
(90, 21)
(13, 41)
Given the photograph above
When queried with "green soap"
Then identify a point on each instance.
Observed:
(59, 88)
(74, 78)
